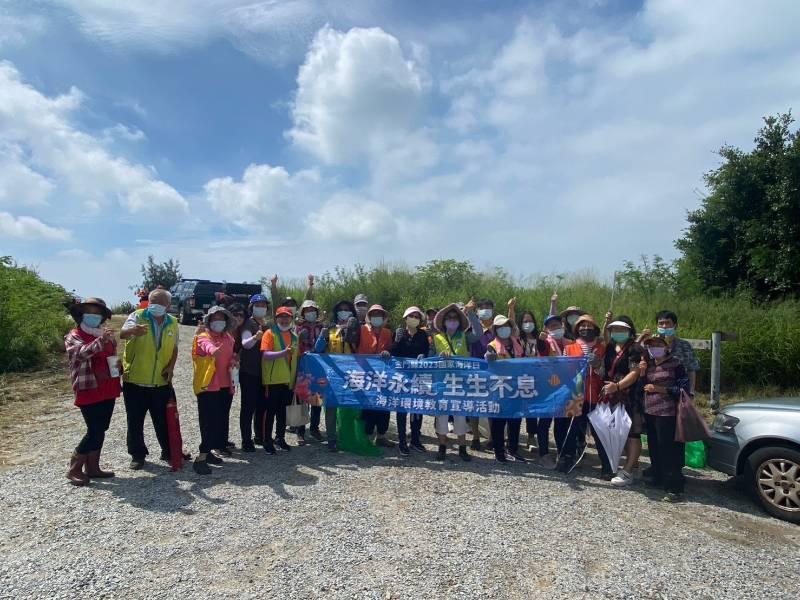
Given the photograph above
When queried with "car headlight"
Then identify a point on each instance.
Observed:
(724, 423)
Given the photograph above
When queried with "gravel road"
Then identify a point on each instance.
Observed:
(309, 524)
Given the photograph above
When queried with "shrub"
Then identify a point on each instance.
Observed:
(33, 319)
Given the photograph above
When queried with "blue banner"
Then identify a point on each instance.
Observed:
(529, 387)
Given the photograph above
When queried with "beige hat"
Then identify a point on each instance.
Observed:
(438, 320)
(501, 320)
(411, 310)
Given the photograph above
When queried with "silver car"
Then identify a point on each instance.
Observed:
(760, 441)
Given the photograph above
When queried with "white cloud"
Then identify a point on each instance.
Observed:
(79, 162)
(348, 217)
(31, 229)
(19, 184)
(355, 90)
(16, 30)
(266, 198)
(120, 132)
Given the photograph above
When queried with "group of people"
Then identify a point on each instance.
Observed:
(257, 348)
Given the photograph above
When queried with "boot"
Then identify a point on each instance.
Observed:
(462, 452)
(442, 454)
(93, 466)
(75, 474)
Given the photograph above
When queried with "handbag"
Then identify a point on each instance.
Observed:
(690, 426)
(297, 413)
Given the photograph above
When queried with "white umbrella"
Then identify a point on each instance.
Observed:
(612, 427)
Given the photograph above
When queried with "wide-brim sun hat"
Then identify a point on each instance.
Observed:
(99, 302)
(438, 320)
(229, 320)
(501, 320)
(585, 318)
(378, 308)
(571, 309)
(411, 310)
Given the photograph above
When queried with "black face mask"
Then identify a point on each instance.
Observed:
(589, 336)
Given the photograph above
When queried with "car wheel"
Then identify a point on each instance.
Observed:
(773, 476)
(186, 318)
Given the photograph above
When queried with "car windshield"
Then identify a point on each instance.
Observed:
(207, 288)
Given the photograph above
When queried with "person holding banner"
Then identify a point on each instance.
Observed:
(453, 337)
(279, 355)
(309, 328)
(410, 342)
(505, 345)
(341, 337)
(588, 344)
(376, 339)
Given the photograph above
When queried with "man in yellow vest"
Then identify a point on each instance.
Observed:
(148, 362)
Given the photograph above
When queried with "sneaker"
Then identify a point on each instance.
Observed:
(201, 467)
(332, 446)
(213, 459)
(269, 448)
(519, 458)
(301, 440)
(225, 452)
(547, 462)
(417, 445)
(564, 464)
(501, 458)
(315, 433)
(137, 464)
(292, 429)
(463, 454)
(606, 475)
(230, 445)
(622, 479)
(248, 446)
(476, 444)
(403, 449)
(384, 442)
(281, 443)
(672, 498)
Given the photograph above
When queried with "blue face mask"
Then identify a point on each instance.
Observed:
(92, 321)
(666, 331)
(376, 321)
(157, 310)
(620, 337)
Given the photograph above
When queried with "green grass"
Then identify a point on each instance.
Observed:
(765, 357)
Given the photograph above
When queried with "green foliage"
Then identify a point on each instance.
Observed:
(123, 308)
(746, 234)
(33, 319)
(165, 274)
(767, 353)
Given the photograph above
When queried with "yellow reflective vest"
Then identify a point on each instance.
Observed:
(142, 360)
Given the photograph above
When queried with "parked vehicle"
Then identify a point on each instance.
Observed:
(237, 292)
(759, 440)
(191, 298)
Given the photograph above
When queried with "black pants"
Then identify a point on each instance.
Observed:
(252, 390)
(274, 410)
(576, 439)
(416, 427)
(666, 455)
(376, 420)
(498, 428)
(138, 401)
(226, 418)
(98, 418)
(564, 446)
(540, 427)
(316, 414)
(211, 411)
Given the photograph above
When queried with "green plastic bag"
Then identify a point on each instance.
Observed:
(695, 455)
(351, 435)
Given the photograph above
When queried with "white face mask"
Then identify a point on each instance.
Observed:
(572, 319)
(157, 310)
(284, 326)
(504, 332)
(217, 326)
(376, 321)
(485, 314)
(557, 334)
(528, 327)
(259, 312)
(412, 322)
(343, 315)
(310, 316)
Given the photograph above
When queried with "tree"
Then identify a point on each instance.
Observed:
(746, 234)
(165, 274)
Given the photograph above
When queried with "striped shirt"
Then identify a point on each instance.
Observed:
(671, 375)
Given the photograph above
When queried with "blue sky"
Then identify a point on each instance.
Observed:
(251, 137)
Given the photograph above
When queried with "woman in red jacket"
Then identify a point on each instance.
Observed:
(94, 370)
